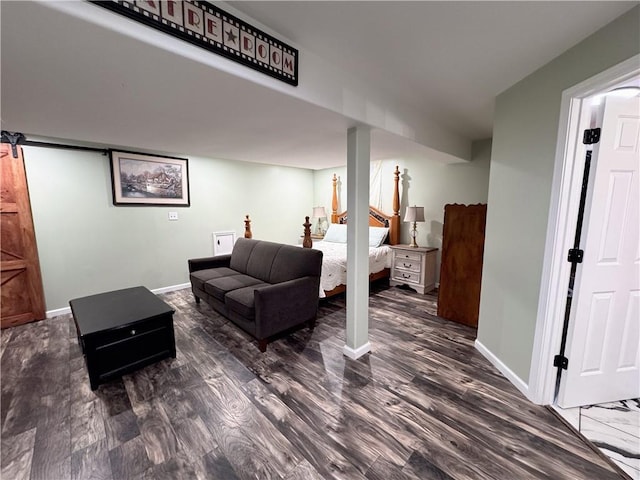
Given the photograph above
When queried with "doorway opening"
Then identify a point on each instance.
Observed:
(576, 116)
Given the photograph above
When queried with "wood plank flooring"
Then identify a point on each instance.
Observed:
(423, 405)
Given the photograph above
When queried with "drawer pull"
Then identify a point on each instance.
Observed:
(404, 275)
(407, 266)
(133, 332)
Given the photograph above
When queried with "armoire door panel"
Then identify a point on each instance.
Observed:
(461, 264)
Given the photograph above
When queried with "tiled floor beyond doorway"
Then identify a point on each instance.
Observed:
(614, 428)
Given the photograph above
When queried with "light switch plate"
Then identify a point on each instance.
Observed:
(173, 215)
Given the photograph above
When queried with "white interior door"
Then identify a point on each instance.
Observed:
(604, 332)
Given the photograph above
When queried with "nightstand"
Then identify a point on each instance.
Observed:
(414, 267)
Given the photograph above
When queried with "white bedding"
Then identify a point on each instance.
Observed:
(334, 263)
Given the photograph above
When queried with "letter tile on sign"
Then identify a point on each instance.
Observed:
(193, 18)
(247, 44)
(213, 29)
(288, 63)
(172, 11)
(150, 6)
(276, 57)
(262, 51)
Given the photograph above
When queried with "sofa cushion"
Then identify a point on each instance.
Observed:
(218, 287)
(241, 253)
(242, 301)
(261, 260)
(199, 277)
(294, 262)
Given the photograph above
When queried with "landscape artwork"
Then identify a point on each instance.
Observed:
(142, 179)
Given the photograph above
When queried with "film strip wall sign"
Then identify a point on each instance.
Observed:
(209, 27)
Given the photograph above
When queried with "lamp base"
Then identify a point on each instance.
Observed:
(414, 232)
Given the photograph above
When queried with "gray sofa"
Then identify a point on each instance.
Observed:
(265, 288)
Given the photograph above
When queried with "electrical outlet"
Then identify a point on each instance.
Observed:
(173, 215)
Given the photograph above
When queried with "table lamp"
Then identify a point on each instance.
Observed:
(319, 213)
(414, 214)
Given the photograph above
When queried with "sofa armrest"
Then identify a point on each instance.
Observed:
(285, 305)
(196, 264)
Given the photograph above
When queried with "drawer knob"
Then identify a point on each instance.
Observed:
(133, 332)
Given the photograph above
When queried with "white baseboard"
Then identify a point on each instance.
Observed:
(358, 352)
(64, 311)
(57, 312)
(506, 371)
(172, 288)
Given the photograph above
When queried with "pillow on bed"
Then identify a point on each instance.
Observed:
(377, 236)
(336, 233)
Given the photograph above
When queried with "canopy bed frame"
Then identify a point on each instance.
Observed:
(376, 219)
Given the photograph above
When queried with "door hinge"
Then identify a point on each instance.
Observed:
(575, 255)
(591, 136)
(560, 361)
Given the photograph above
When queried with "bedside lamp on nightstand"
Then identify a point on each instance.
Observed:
(414, 214)
(319, 213)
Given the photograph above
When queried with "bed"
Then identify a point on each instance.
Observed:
(384, 230)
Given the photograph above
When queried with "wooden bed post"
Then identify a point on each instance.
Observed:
(247, 227)
(334, 201)
(394, 238)
(307, 242)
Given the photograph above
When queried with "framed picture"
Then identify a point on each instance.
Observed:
(143, 179)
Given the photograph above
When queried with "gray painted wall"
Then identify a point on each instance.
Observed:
(424, 182)
(522, 163)
(86, 245)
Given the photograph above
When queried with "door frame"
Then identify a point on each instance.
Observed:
(561, 225)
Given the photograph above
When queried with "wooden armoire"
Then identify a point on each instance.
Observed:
(461, 265)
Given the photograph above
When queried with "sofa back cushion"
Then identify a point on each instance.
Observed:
(261, 259)
(274, 262)
(241, 253)
(294, 262)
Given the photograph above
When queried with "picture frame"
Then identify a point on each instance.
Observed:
(149, 180)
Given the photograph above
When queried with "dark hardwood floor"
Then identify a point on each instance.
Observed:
(423, 405)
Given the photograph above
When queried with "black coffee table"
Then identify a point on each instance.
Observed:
(122, 331)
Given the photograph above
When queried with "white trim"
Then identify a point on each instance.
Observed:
(64, 311)
(565, 192)
(506, 371)
(172, 288)
(57, 312)
(358, 352)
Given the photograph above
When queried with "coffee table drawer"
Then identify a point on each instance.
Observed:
(123, 333)
(139, 346)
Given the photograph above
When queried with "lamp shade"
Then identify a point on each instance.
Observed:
(319, 212)
(414, 214)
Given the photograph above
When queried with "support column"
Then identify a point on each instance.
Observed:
(358, 165)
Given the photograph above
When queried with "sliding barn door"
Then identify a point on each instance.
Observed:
(22, 297)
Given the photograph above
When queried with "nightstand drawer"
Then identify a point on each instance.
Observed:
(406, 276)
(410, 265)
(408, 256)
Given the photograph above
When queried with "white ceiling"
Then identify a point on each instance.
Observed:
(67, 78)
